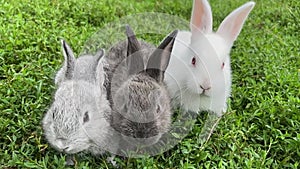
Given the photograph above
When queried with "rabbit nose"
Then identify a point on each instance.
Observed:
(205, 87)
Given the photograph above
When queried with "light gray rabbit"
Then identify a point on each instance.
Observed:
(76, 120)
(140, 103)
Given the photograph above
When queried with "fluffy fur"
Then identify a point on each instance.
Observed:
(199, 75)
(76, 120)
(139, 99)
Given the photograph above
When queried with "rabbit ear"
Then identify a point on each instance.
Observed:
(66, 72)
(69, 59)
(100, 73)
(98, 67)
(159, 59)
(201, 17)
(134, 59)
(232, 25)
(100, 53)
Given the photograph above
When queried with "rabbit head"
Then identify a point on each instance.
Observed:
(141, 103)
(203, 56)
(79, 106)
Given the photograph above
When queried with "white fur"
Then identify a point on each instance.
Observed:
(185, 80)
(80, 95)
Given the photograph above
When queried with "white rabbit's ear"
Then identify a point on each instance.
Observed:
(232, 25)
(134, 61)
(201, 17)
(159, 59)
(66, 72)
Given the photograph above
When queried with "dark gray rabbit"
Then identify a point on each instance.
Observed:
(76, 120)
(141, 111)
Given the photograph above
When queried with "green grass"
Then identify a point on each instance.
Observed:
(261, 130)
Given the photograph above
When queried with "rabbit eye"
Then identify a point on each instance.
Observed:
(223, 64)
(194, 61)
(86, 117)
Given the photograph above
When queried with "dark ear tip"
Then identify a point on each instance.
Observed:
(100, 53)
(62, 41)
(173, 34)
(129, 31)
(64, 44)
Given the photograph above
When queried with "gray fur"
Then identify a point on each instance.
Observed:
(80, 106)
(139, 99)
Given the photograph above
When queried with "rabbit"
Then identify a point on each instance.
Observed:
(76, 121)
(198, 77)
(140, 102)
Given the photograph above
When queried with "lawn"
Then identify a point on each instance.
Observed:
(260, 130)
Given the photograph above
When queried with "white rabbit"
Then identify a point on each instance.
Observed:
(199, 75)
(76, 120)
